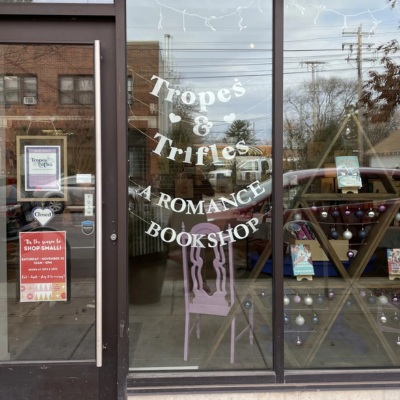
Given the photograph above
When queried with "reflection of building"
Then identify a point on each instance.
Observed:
(386, 153)
(145, 116)
(48, 93)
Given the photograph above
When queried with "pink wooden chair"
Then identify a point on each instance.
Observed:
(198, 298)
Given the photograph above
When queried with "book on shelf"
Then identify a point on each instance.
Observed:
(301, 259)
(348, 172)
(393, 259)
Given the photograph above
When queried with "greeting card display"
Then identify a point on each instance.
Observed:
(303, 267)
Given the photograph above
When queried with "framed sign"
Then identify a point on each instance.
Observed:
(41, 163)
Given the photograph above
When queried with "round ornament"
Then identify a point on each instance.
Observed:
(324, 214)
(395, 318)
(334, 234)
(335, 213)
(383, 300)
(371, 213)
(362, 234)
(315, 319)
(314, 208)
(371, 299)
(300, 320)
(397, 216)
(331, 295)
(286, 300)
(308, 300)
(347, 212)
(383, 319)
(297, 298)
(359, 213)
(262, 293)
(247, 304)
(398, 341)
(286, 319)
(350, 254)
(395, 298)
(298, 341)
(382, 208)
(349, 303)
(297, 217)
(362, 293)
(320, 299)
(347, 234)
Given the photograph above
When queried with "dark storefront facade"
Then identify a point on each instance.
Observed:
(198, 197)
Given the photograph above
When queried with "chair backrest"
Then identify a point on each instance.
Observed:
(197, 298)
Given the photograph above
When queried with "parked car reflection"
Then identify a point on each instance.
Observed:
(257, 197)
(17, 214)
(74, 187)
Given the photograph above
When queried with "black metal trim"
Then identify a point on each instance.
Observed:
(277, 189)
(193, 380)
(122, 202)
(57, 9)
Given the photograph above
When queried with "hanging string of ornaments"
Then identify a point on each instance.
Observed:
(379, 302)
(300, 320)
(347, 234)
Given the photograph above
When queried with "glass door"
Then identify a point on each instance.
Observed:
(51, 216)
(48, 168)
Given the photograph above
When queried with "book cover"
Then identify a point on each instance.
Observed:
(348, 172)
(393, 258)
(301, 259)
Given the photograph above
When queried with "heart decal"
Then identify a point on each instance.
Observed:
(174, 118)
(229, 118)
(42, 215)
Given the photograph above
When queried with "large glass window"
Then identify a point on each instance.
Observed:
(76, 90)
(341, 160)
(18, 89)
(200, 135)
(199, 110)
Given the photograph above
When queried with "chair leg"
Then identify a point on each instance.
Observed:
(198, 331)
(251, 325)
(186, 342)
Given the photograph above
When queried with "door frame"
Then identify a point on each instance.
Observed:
(67, 379)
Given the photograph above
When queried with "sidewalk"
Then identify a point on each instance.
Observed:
(288, 395)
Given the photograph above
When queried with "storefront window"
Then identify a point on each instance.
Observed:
(199, 135)
(200, 153)
(342, 179)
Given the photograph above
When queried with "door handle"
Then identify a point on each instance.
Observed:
(99, 230)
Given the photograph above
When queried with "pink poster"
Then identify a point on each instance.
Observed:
(43, 272)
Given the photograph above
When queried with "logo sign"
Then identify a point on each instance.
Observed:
(43, 215)
(87, 227)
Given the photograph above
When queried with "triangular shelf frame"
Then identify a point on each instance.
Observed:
(306, 200)
(351, 276)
